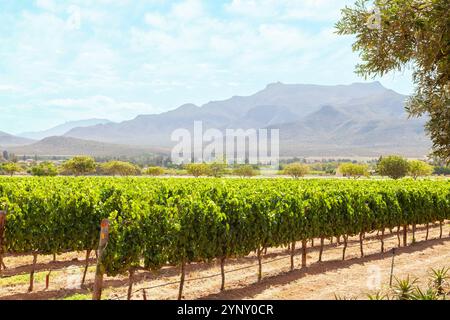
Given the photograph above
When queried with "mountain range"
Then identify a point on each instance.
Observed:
(361, 119)
(62, 129)
(8, 140)
(66, 146)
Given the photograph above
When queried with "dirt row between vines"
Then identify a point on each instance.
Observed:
(353, 278)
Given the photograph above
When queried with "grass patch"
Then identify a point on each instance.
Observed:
(79, 296)
(21, 279)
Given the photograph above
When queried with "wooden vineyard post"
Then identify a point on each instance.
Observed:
(392, 267)
(361, 244)
(98, 282)
(86, 266)
(183, 276)
(144, 294)
(222, 272)
(47, 279)
(130, 283)
(2, 232)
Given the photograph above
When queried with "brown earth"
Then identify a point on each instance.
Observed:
(353, 278)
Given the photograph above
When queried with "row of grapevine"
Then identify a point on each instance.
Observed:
(179, 221)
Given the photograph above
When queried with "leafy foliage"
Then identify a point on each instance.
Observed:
(419, 168)
(442, 170)
(411, 33)
(80, 165)
(395, 167)
(11, 168)
(296, 170)
(354, 170)
(245, 171)
(217, 169)
(154, 171)
(120, 168)
(159, 221)
(198, 169)
(44, 169)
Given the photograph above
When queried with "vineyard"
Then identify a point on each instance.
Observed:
(154, 223)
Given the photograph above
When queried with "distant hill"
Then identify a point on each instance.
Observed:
(66, 146)
(332, 132)
(63, 128)
(362, 119)
(8, 140)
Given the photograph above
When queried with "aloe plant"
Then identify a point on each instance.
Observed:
(404, 288)
(439, 279)
(429, 294)
(378, 296)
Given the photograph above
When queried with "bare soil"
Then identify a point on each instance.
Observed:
(355, 277)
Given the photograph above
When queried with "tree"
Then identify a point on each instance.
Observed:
(296, 170)
(80, 165)
(44, 169)
(217, 169)
(245, 171)
(154, 171)
(198, 169)
(419, 168)
(353, 170)
(408, 33)
(441, 170)
(11, 168)
(119, 168)
(13, 158)
(395, 167)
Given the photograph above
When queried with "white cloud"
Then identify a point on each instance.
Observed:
(6, 88)
(99, 106)
(48, 5)
(252, 8)
(283, 38)
(156, 20)
(223, 45)
(315, 10)
(188, 9)
(128, 56)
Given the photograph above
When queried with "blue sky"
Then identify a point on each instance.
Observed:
(115, 59)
